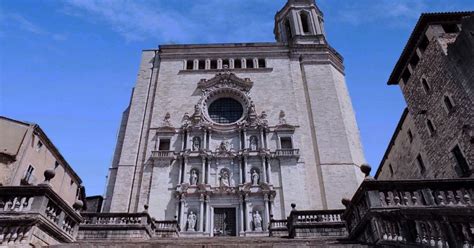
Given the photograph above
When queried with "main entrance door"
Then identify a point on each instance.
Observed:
(224, 222)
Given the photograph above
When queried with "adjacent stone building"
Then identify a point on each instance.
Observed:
(435, 136)
(223, 136)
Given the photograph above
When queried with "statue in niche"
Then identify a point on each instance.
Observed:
(282, 119)
(196, 144)
(166, 120)
(225, 179)
(253, 143)
(192, 219)
(257, 221)
(255, 177)
(194, 178)
(224, 146)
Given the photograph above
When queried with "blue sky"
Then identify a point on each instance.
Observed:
(70, 65)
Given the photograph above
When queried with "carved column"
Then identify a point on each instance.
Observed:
(205, 145)
(208, 215)
(201, 214)
(262, 145)
(269, 170)
(182, 218)
(241, 171)
(247, 212)
(267, 213)
(180, 171)
(264, 170)
(241, 207)
(203, 171)
(245, 139)
(245, 169)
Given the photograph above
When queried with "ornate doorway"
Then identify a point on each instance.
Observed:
(225, 222)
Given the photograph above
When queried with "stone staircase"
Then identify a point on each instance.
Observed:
(218, 242)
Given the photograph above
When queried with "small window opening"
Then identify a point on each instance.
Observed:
(189, 65)
(305, 22)
(225, 64)
(261, 63)
(56, 165)
(430, 126)
(286, 143)
(425, 85)
(421, 164)
(202, 64)
(414, 60)
(28, 174)
(164, 145)
(391, 169)
(213, 64)
(424, 43)
(406, 75)
(249, 63)
(410, 136)
(288, 29)
(237, 63)
(450, 28)
(461, 161)
(448, 103)
(39, 145)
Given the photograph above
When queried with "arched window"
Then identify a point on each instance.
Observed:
(305, 22)
(288, 29)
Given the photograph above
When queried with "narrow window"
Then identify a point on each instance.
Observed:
(286, 143)
(461, 161)
(304, 22)
(424, 43)
(213, 64)
(202, 64)
(410, 136)
(425, 85)
(288, 29)
(414, 60)
(56, 165)
(450, 28)
(28, 174)
(164, 145)
(237, 63)
(421, 164)
(406, 75)
(249, 63)
(448, 103)
(39, 145)
(225, 64)
(261, 63)
(430, 126)
(189, 65)
(391, 169)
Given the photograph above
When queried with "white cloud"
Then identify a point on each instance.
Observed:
(22, 23)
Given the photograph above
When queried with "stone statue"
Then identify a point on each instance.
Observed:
(166, 120)
(196, 144)
(186, 119)
(252, 109)
(255, 178)
(192, 219)
(225, 179)
(197, 110)
(193, 180)
(263, 118)
(257, 221)
(282, 118)
(253, 143)
(224, 146)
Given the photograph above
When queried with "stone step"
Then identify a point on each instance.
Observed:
(234, 242)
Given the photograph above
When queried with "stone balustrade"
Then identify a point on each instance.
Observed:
(113, 226)
(287, 153)
(163, 155)
(278, 228)
(28, 212)
(327, 223)
(167, 228)
(429, 213)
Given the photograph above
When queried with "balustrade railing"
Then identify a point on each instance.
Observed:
(22, 207)
(432, 213)
(316, 223)
(167, 228)
(287, 152)
(163, 154)
(278, 227)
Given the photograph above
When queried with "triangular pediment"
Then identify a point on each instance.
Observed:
(226, 80)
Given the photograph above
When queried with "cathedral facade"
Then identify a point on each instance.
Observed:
(223, 137)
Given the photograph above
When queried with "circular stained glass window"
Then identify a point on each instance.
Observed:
(225, 110)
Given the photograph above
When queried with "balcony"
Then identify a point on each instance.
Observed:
(287, 153)
(413, 213)
(29, 212)
(316, 223)
(163, 155)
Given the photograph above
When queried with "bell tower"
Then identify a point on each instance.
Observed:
(300, 22)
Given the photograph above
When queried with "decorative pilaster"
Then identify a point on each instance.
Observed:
(201, 214)
(267, 213)
(264, 170)
(203, 171)
(241, 207)
(247, 211)
(182, 202)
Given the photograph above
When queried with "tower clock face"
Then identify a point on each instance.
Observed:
(225, 110)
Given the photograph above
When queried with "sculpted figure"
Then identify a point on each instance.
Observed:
(255, 178)
(282, 117)
(253, 143)
(196, 144)
(257, 222)
(225, 180)
(252, 109)
(197, 110)
(186, 119)
(193, 180)
(192, 219)
(166, 120)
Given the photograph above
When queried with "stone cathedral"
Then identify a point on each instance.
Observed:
(222, 137)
